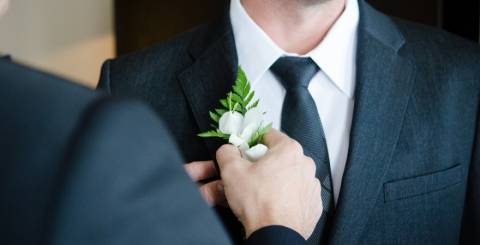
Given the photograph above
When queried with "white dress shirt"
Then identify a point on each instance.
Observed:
(332, 88)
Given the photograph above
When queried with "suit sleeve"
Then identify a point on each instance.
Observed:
(104, 83)
(471, 216)
(273, 235)
(125, 185)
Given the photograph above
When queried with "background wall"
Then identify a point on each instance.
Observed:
(459, 17)
(142, 23)
(70, 38)
(73, 37)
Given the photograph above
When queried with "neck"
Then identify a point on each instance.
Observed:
(296, 26)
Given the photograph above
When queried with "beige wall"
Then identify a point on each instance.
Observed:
(70, 38)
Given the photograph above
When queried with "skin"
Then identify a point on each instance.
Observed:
(298, 205)
(251, 188)
(296, 26)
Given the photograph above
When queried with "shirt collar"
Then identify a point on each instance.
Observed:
(256, 51)
(335, 55)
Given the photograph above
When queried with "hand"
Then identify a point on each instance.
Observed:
(211, 191)
(279, 189)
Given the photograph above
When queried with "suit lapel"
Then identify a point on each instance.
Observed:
(384, 81)
(211, 75)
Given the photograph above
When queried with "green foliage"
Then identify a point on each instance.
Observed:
(224, 103)
(214, 134)
(240, 100)
(220, 111)
(255, 104)
(242, 93)
(214, 116)
(258, 136)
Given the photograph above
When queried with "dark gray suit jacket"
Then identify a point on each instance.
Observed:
(413, 170)
(77, 167)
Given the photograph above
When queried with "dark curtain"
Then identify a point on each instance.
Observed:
(142, 23)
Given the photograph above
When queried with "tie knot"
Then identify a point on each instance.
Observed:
(294, 72)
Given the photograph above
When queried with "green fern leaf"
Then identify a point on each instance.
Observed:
(254, 105)
(220, 112)
(224, 103)
(214, 116)
(249, 99)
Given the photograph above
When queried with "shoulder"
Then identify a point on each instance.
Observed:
(444, 61)
(439, 48)
(134, 74)
(38, 85)
(166, 56)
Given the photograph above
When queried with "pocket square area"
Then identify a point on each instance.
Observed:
(423, 184)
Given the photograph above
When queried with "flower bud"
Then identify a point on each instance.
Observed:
(256, 152)
(231, 122)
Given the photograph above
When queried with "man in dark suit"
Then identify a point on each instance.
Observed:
(398, 103)
(79, 167)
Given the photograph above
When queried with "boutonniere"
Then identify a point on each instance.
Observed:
(240, 121)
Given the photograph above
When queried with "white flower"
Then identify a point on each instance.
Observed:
(231, 122)
(256, 152)
(241, 129)
(238, 142)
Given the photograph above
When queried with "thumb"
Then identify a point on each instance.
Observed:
(228, 155)
(274, 137)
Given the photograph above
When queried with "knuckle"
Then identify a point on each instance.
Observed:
(295, 146)
(318, 185)
(221, 150)
(318, 190)
(310, 164)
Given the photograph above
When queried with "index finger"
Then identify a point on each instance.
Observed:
(274, 137)
(203, 170)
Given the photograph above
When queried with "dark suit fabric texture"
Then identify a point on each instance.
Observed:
(412, 174)
(78, 167)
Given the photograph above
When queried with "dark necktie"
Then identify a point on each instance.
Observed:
(301, 121)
